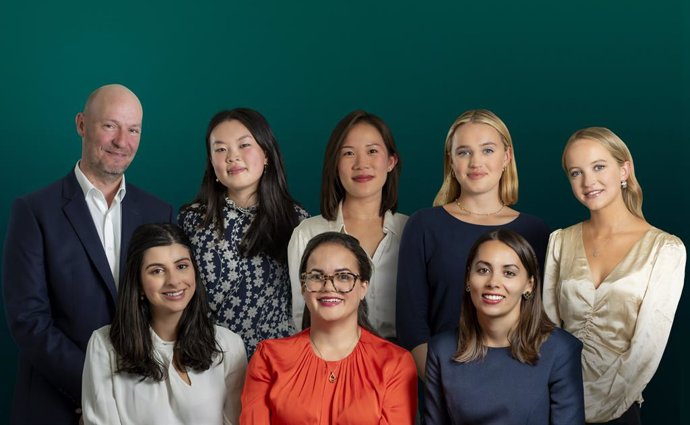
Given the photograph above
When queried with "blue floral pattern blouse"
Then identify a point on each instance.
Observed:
(248, 295)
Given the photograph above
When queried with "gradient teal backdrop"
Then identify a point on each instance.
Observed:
(546, 68)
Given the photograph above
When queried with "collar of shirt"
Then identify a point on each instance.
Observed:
(90, 190)
(389, 224)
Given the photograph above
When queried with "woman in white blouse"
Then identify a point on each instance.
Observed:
(359, 196)
(614, 280)
(162, 361)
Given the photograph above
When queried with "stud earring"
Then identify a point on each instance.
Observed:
(624, 184)
(217, 181)
(467, 288)
(526, 295)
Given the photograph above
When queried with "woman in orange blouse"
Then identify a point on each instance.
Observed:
(337, 371)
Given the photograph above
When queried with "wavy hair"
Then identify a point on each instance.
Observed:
(632, 195)
(130, 332)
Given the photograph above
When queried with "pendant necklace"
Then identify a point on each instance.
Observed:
(332, 376)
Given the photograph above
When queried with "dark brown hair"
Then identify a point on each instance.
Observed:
(332, 190)
(533, 327)
(195, 346)
(351, 244)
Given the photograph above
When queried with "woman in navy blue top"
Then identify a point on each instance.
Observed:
(479, 186)
(507, 363)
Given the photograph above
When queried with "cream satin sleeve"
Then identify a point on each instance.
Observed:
(631, 371)
(235, 367)
(97, 396)
(552, 277)
(298, 242)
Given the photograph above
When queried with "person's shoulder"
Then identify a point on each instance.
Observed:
(666, 239)
(101, 337)
(143, 196)
(446, 341)
(286, 346)
(561, 342)
(425, 217)
(227, 338)
(53, 190)
(380, 344)
(313, 225)
(395, 221)
(530, 220)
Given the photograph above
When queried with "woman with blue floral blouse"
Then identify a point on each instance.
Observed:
(240, 223)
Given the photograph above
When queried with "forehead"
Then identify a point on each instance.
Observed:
(331, 256)
(471, 134)
(585, 151)
(228, 131)
(363, 133)
(497, 253)
(165, 253)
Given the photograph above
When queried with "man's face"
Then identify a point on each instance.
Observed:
(110, 129)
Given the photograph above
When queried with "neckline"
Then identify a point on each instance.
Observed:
(338, 362)
(479, 225)
(583, 253)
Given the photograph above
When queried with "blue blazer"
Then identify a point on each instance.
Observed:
(58, 289)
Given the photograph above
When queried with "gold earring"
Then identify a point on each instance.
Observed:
(467, 288)
(526, 295)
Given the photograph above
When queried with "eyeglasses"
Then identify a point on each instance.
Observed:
(343, 282)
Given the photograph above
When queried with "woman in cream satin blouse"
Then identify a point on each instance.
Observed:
(614, 280)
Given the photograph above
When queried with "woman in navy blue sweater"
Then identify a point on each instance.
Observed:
(507, 363)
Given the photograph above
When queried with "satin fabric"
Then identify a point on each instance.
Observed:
(623, 324)
(288, 384)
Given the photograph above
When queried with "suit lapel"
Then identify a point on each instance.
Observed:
(131, 219)
(78, 214)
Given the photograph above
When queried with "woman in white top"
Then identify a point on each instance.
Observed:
(614, 280)
(359, 196)
(162, 361)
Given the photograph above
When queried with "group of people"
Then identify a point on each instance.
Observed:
(249, 311)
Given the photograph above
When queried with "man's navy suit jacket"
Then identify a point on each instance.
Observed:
(58, 289)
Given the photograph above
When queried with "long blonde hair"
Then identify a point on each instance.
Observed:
(632, 194)
(450, 189)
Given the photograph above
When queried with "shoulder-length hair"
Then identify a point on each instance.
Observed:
(276, 216)
(363, 264)
(632, 194)
(130, 335)
(508, 185)
(533, 327)
(332, 190)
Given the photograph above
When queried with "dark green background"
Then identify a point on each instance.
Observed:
(546, 69)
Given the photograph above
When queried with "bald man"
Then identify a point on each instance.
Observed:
(64, 252)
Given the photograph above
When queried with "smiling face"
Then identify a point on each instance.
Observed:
(595, 176)
(497, 279)
(478, 157)
(168, 280)
(364, 162)
(328, 305)
(110, 128)
(238, 160)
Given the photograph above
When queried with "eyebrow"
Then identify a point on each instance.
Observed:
(342, 269)
(246, 136)
(481, 144)
(367, 145)
(591, 163)
(486, 263)
(163, 265)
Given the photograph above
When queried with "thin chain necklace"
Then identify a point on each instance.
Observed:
(332, 377)
(457, 202)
